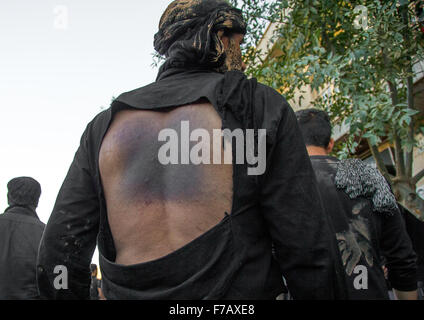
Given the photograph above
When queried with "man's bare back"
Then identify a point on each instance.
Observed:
(155, 209)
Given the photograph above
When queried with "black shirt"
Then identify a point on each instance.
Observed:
(365, 237)
(415, 229)
(234, 260)
(20, 235)
(94, 288)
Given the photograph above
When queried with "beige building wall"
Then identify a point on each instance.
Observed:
(418, 163)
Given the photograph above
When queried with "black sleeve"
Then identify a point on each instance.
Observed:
(69, 239)
(297, 222)
(400, 257)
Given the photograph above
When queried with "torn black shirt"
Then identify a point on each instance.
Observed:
(234, 260)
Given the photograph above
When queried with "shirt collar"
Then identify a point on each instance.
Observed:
(169, 72)
(324, 158)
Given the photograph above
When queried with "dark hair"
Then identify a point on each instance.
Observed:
(315, 126)
(93, 267)
(23, 191)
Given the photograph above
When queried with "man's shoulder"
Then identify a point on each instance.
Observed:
(102, 116)
(6, 218)
(276, 101)
(324, 159)
(325, 168)
(96, 128)
(271, 108)
(269, 91)
(359, 179)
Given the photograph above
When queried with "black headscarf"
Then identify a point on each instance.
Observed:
(188, 33)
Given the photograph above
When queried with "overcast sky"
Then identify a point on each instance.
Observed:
(60, 63)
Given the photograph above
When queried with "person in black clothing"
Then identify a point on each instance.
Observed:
(364, 215)
(20, 235)
(415, 229)
(95, 285)
(186, 230)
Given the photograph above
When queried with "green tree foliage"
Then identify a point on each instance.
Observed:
(362, 53)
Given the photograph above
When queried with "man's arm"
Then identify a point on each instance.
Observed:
(69, 240)
(397, 248)
(297, 222)
(406, 295)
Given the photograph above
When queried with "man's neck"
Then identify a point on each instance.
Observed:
(316, 151)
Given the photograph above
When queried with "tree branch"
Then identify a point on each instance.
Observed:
(409, 86)
(394, 94)
(409, 153)
(379, 161)
(327, 42)
(400, 161)
(418, 177)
